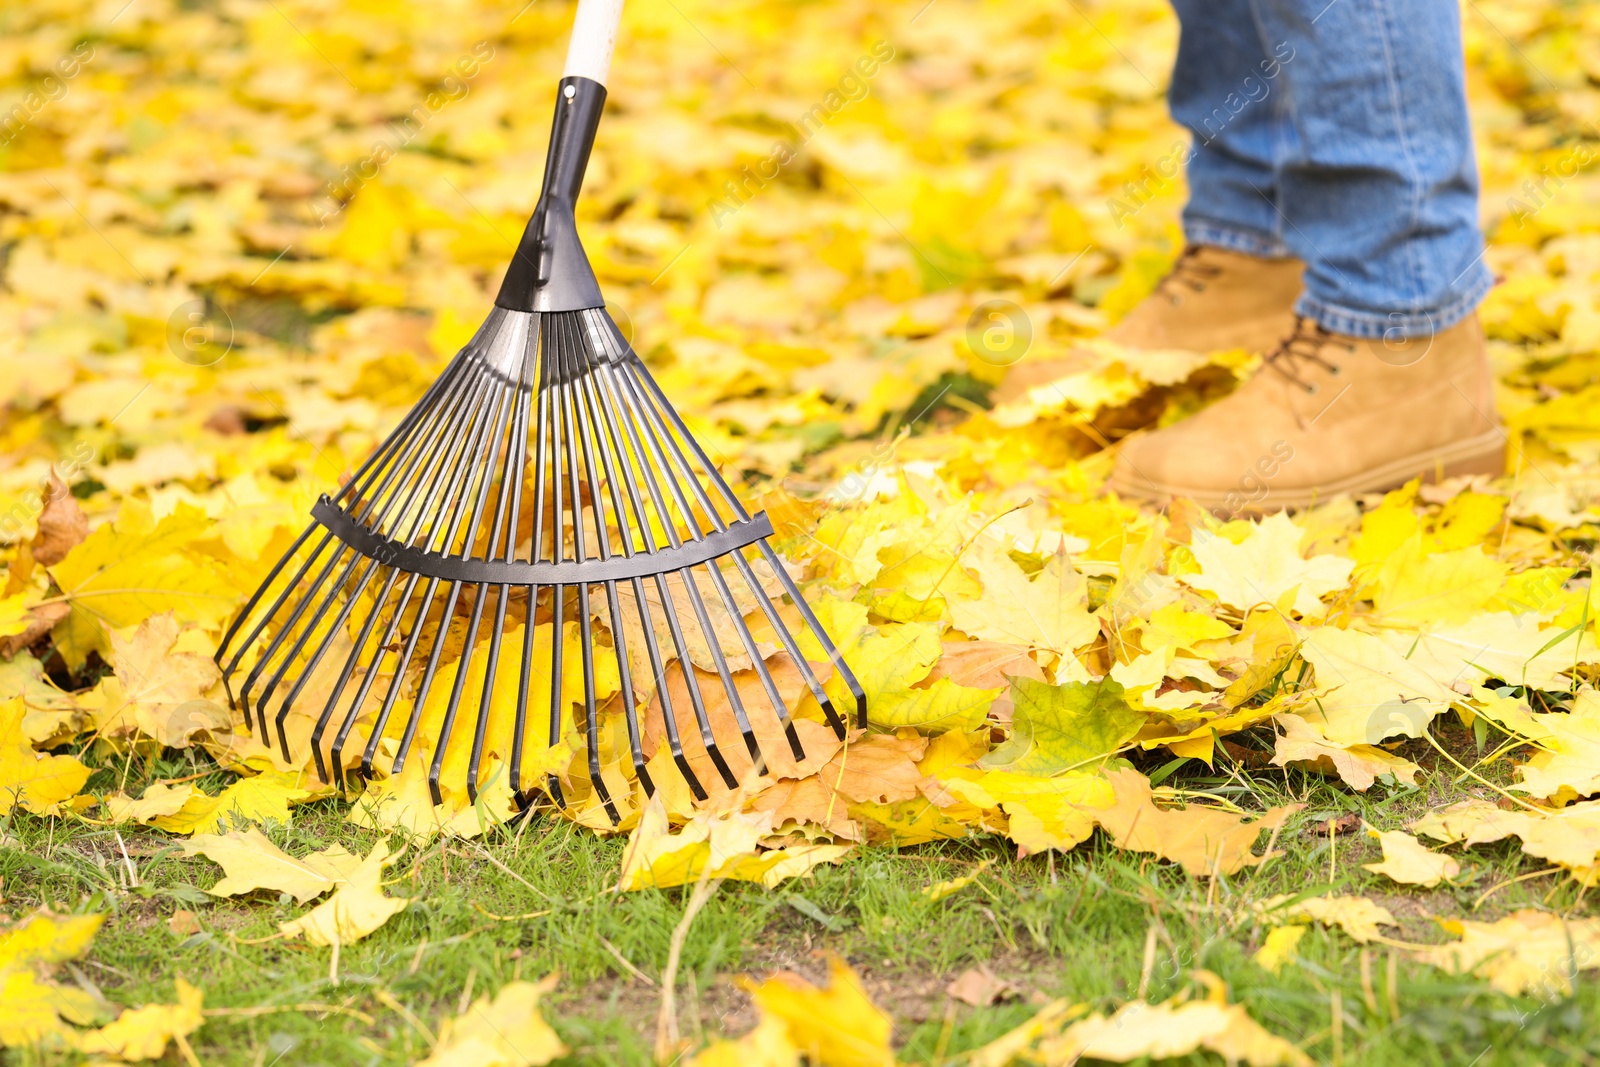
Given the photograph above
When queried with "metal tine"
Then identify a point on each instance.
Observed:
(721, 661)
(792, 648)
(323, 645)
(293, 583)
(730, 605)
(458, 473)
(558, 547)
(564, 372)
(510, 479)
(351, 598)
(654, 432)
(596, 427)
(345, 672)
(416, 485)
(589, 430)
(537, 342)
(441, 635)
(668, 609)
(336, 751)
(308, 595)
(617, 459)
(434, 482)
(505, 406)
(823, 639)
(244, 613)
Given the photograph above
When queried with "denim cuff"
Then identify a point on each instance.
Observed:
(1234, 239)
(1421, 322)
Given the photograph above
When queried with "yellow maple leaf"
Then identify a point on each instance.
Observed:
(1367, 689)
(1303, 745)
(1407, 861)
(1140, 1030)
(29, 949)
(355, 910)
(1527, 951)
(251, 861)
(143, 1033)
(1568, 765)
(1205, 841)
(508, 1031)
(838, 1026)
(1356, 916)
(1265, 566)
(767, 1045)
(1049, 611)
(726, 844)
(134, 568)
(1280, 947)
(156, 690)
(1417, 588)
(33, 780)
(1569, 835)
(257, 799)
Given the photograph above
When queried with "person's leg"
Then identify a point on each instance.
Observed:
(1378, 185)
(1227, 90)
(1385, 378)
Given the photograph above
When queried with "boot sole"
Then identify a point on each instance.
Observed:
(1482, 454)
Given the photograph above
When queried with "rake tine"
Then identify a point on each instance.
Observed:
(437, 652)
(583, 389)
(321, 650)
(668, 715)
(563, 379)
(337, 751)
(306, 599)
(721, 663)
(344, 678)
(779, 708)
(502, 409)
(510, 492)
(793, 650)
(822, 639)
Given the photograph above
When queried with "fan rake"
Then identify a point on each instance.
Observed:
(543, 472)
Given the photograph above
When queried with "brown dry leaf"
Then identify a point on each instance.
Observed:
(1204, 841)
(62, 524)
(979, 987)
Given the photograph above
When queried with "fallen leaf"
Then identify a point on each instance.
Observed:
(1265, 566)
(144, 1033)
(32, 780)
(1527, 951)
(1056, 728)
(979, 987)
(355, 910)
(1279, 948)
(833, 1027)
(1409, 863)
(508, 1031)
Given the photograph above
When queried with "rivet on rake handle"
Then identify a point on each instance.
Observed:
(392, 582)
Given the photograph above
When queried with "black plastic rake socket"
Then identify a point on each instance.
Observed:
(441, 532)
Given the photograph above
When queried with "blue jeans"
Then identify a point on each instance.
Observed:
(1336, 132)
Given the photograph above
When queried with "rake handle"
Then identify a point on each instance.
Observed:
(594, 37)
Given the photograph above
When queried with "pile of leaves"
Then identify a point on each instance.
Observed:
(238, 240)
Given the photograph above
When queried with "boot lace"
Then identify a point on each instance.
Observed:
(1305, 346)
(1187, 273)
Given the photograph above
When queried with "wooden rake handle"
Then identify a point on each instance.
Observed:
(594, 37)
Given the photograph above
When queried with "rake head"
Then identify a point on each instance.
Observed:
(541, 514)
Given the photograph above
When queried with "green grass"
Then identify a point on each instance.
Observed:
(1073, 927)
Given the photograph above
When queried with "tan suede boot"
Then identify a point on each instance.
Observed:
(1211, 300)
(1328, 414)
